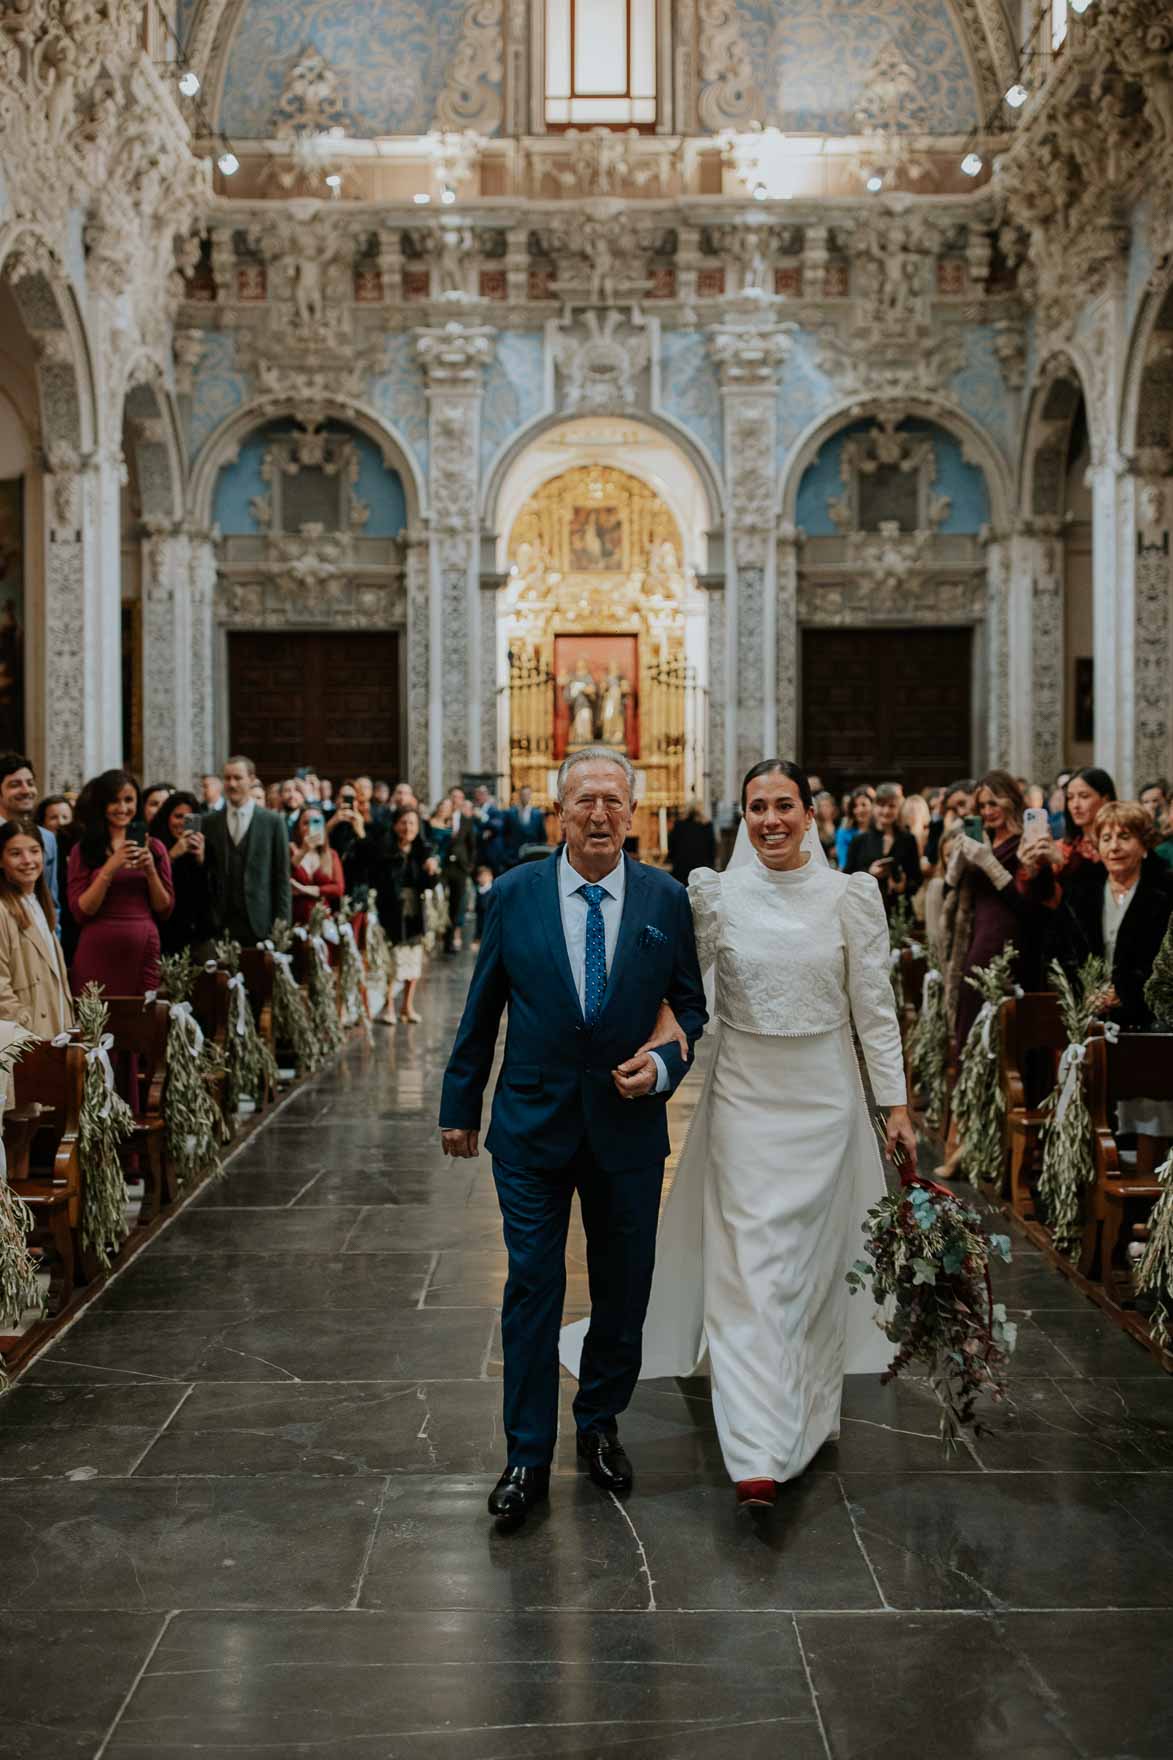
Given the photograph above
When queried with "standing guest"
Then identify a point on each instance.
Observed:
(1154, 798)
(857, 819)
(491, 835)
(404, 874)
(956, 807)
(440, 830)
(916, 819)
(119, 890)
(458, 870)
(355, 841)
(18, 800)
(403, 795)
(372, 812)
(212, 790)
(483, 887)
(316, 872)
(247, 853)
(1120, 907)
(177, 827)
(381, 795)
(292, 801)
(692, 843)
(885, 852)
(258, 792)
(1087, 791)
(154, 797)
(825, 826)
(524, 824)
(34, 981)
(54, 813)
(326, 793)
(815, 784)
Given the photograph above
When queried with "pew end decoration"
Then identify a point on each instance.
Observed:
(380, 966)
(292, 1022)
(106, 1122)
(979, 1105)
(1158, 991)
(436, 916)
(352, 983)
(902, 927)
(1068, 1169)
(194, 1126)
(1154, 1274)
(929, 1047)
(320, 985)
(928, 1267)
(18, 1269)
(250, 1067)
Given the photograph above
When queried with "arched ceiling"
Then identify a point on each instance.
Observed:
(806, 66)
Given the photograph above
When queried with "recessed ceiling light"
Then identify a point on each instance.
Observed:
(972, 164)
(875, 184)
(228, 163)
(189, 82)
(421, 200)
(1017, 95)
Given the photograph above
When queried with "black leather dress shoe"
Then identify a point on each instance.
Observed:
(606, 1462)
(517, 1490)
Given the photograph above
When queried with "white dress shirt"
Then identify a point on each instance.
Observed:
(1115, 910)
(574, 910)
(239, 819)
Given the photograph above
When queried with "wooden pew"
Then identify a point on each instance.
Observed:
(258, 968)
(1029, 1024)
(209, 1004)
(41, 1143)
(1139, 1066)
(140, 1031)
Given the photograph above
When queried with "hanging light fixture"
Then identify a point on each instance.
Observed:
(228, 162)
(1017, 95)
(972, 164)
(875, 183)
(189, 82)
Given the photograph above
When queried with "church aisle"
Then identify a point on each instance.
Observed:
(242, 1508)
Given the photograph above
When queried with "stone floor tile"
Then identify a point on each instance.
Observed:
(65, 1676)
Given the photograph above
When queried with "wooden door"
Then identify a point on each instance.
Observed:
(888, 705)
(331, 701)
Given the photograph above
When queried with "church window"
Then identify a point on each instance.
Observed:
(600, 63)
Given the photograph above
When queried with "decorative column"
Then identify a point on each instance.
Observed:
(167, 652)
(998, 562)
(453, 357)
(786, 730)
(202, 571)
(420, 765)
(79, 738)
(1149, 523)
(1113, 563)
(1036, 648)
(748, 355)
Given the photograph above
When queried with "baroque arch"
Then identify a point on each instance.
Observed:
(150, 435)
(1056, 401)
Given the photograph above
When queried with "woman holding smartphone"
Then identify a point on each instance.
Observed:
(177, 827)
(119, 890)
(315, 870)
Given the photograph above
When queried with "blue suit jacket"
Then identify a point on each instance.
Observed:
(555, 1086)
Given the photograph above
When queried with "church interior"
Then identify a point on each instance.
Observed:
(433, 391)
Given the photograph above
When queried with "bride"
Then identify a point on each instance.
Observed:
(781, 1163)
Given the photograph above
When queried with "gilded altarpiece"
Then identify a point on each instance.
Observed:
(593, 623)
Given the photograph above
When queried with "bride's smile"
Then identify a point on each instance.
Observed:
(777, 820)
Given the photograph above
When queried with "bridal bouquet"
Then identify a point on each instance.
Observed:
(928, 1265)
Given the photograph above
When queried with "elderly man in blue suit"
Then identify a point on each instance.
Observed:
(582, 949)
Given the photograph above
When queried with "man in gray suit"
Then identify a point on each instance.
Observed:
(247, 855)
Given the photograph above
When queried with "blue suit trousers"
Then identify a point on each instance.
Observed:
(619, 1213)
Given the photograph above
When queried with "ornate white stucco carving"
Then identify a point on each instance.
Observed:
(600, 358)
(471, 97)
(728, 95)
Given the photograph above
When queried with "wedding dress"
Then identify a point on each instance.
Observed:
(781, 1163)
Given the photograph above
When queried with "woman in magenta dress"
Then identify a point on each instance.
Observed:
(119, 890)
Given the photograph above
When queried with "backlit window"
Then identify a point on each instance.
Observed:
(600, 62)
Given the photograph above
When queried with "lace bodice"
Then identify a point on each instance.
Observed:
(801, 951)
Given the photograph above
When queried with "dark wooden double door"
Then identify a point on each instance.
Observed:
(331, 701)
(890, 705)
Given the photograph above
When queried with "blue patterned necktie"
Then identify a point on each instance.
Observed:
(596, 954)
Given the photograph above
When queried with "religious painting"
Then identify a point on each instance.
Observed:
(596, 699)
(12, 614)
(596, 540)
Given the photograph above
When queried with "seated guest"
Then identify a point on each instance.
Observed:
(54, 813)
(405, 872)
(246, 849)
(692, 843)
(18, 800)
(154, 797)
(177, 827)
(857, 819)
(1120, 907)
(119, 890)
(315, 869)
(887, 853)
(34, 982)
(524, 824)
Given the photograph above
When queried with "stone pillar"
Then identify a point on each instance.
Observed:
(1112, 624)
(167, 653)
(998, 562)
(1150, 690)
(453, 357)
(420, 766)
(720, 786)
(80, 681)
(1035, 650)
(786, 731)
(201, 557)
(490, 757)
(748, 355)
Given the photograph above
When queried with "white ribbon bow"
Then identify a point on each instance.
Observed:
(932, 977)
(193, 1032)
(100, 1054)
(285, 960)
(322, 951)
(983, 1026)
(347, 934)
(1071, 1063)
(60, 1039)
(894, 958)
(330, 931)
(237, 983)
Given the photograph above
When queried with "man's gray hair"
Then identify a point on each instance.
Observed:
(249, 767)
(597, 755)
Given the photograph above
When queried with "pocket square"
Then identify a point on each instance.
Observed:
(652, 937)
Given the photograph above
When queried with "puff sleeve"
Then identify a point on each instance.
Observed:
(869, 990)
(704, 895)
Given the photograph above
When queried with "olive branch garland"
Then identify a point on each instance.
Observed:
(320, 986)
(104, 1124)
(193, 1126)
(18, 1268)
(249, 1065)
(380, 967)
(901, 934)
(1068, 1168)
(979, 1104)
(928, 1050)
(292, 1022)
(1154, 1274)
(352, 982)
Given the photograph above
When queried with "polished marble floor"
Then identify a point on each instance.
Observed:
(242, 1509)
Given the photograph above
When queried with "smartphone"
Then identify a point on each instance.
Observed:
(974, 828)
(136, 832)
(1036, 823)
(191, 824)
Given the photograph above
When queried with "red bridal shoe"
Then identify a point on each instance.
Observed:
(756, 1493)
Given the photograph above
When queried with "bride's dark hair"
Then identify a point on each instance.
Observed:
(788, 767)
